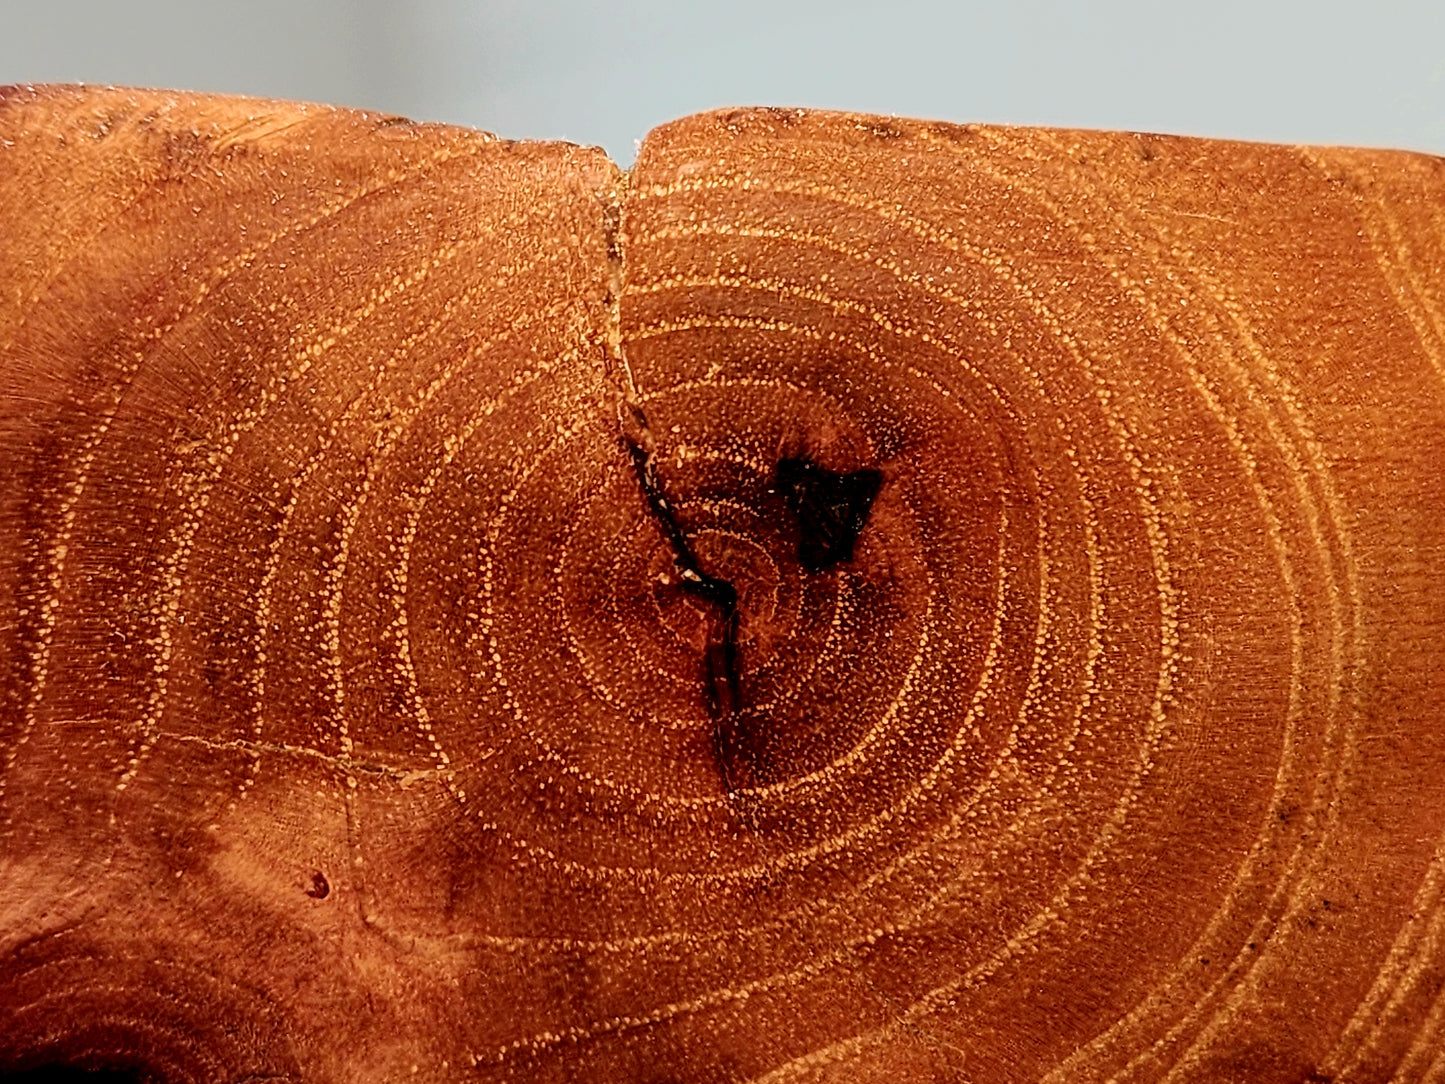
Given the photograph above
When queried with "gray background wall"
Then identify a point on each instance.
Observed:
(1320, 72)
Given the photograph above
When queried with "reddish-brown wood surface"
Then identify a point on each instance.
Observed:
(358, 721)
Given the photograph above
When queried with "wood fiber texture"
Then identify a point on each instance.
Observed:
(360, 713)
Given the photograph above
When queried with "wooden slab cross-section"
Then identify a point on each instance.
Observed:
(411, 665)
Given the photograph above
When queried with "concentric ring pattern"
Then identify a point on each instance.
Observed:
(359, 476)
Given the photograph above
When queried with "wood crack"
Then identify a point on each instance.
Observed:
(720, 653)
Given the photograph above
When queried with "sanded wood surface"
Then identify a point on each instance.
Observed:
(417, 662)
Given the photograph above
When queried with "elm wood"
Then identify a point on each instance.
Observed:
(1110, 754)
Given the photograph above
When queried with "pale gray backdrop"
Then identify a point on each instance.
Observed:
(1319, 72)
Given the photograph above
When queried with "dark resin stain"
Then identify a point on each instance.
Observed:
(831, 508)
